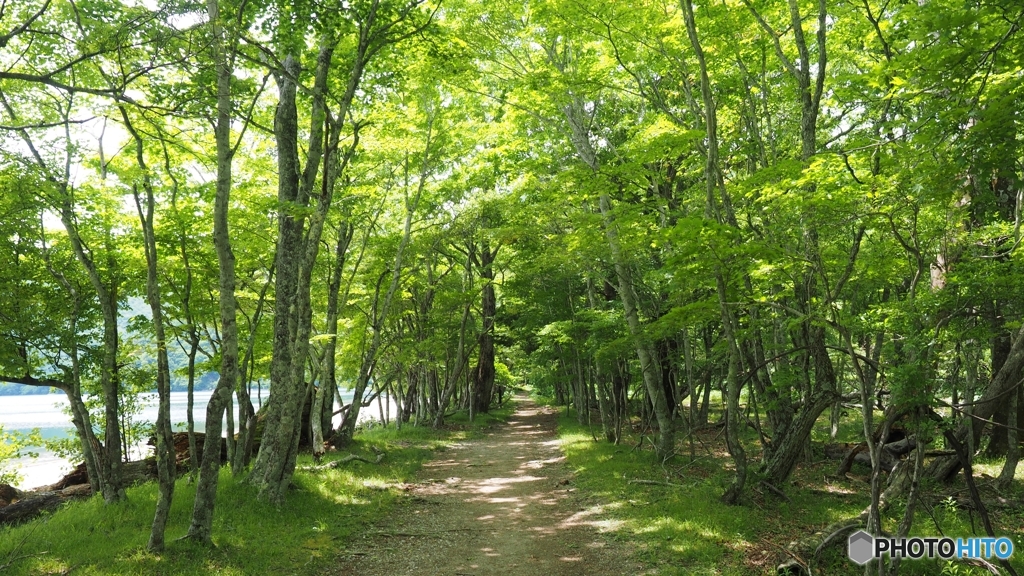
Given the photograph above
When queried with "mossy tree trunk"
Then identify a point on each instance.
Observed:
(224, 40)
(145, 203)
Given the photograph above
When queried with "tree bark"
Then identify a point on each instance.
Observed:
(201, 526)
(166, 469)
(1013, 445)
(579, 136)
(281, 425)
(92, 451)
(484, 373)
(1003, 383)
(298, 245)
(649, 366)
(714, 184)
(328, 378)
(109, 373)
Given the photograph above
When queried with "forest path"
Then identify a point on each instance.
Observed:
(501, 504)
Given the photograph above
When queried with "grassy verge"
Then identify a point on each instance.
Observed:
(251, 537)
(674, 517)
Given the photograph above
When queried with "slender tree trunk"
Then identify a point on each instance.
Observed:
(1013, 445)
(461, 359)
(164, 437)
(649, 366)
(484, 376)
(714, 184)
(92, 452)
(293, 313)
(347, 429)
(246, 411)
(109, 378)
(1002, 384)
(193, 457)
(328, 381)
(201, 526)
(603, 402)
(579, 136)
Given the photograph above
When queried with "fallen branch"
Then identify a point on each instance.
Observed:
(337, 463)
(999, 502)
(796, 560)
(991, 568)
(11, 561)
(777, 492)
(655, 483)
(839, 533)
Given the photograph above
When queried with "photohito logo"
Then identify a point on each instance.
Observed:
(863, 547)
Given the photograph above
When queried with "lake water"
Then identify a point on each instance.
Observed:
(46, 412)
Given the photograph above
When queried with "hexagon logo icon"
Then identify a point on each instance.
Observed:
(860, 547)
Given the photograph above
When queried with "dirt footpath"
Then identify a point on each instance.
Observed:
(499, 505)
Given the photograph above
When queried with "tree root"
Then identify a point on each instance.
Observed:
(809, 548)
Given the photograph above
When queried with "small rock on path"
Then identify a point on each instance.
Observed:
(502, 504)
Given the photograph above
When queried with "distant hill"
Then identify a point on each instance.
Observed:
(206, 381)
(178, 360)
(8, 389)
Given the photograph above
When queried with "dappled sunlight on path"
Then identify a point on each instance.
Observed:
(502, 504)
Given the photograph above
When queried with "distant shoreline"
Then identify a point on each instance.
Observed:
(7, 389)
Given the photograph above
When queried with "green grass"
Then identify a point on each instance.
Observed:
(251, 537)
(685, 529)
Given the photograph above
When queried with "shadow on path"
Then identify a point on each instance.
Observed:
(502, 504)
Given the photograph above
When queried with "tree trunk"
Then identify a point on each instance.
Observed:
(298, 245)
(246, 411)
(1002, 384)
(109, 378)
(328, 380)
(109, 458)
(348, 425)
(484, 373)
(461, 359)
(201, 526)
(165, 458)
(1013, 445)
(649, 365)
(92, 452)
(713, 184)
(281, 425)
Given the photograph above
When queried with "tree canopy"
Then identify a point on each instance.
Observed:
(638, 209)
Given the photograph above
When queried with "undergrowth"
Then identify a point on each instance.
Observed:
(672, 513)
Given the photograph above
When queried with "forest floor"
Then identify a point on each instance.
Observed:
(500, 504)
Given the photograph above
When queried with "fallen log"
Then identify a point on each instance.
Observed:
(8, 494)
(966, 503)
(17, 506)
(181, 449)
(859, 454)
(35, 503)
